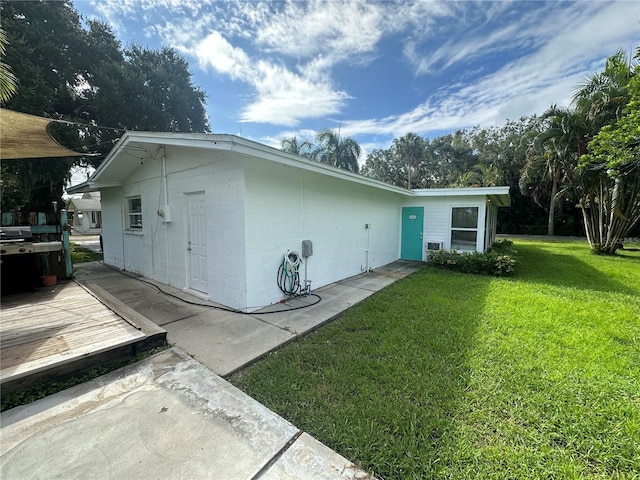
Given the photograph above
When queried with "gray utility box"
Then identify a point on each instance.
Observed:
(307, 248)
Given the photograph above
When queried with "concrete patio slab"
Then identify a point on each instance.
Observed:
(165, 417)
(226, 341)
(309, 458)
(163, 312)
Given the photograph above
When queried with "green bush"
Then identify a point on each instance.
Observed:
(502, 246)
(497, 261)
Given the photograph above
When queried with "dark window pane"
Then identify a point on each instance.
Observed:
(464, 217)
(135, 205)
(463, 240)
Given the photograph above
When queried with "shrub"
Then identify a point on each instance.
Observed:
(496, 261)
(502, 246)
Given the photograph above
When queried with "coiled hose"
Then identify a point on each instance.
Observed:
(289, 274)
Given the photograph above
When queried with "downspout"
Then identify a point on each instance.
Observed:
(165, 192)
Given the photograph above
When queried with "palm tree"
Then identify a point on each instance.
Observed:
(603, 96)
(291, 145)
(482, 175)
(552, 159)
(342, 153)
(609, 187)
(8, 81)
(410, 149)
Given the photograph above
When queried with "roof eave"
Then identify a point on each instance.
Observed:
(90, 186)
(237, 144)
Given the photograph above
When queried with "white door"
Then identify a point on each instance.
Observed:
(197, 242)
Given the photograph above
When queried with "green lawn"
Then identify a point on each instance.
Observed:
(81, 254)
(446, 375)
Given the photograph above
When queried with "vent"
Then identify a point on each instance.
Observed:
(434, 246)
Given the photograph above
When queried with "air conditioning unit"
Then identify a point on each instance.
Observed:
(434, 246)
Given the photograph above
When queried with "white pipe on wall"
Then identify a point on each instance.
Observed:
(165, 191)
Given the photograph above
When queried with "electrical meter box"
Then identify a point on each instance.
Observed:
(307, 248)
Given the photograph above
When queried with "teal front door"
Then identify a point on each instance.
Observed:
(412, 227)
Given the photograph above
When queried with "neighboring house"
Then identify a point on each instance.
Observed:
(214, 215)
(86, 213)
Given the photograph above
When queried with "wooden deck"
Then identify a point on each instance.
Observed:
(55, 326)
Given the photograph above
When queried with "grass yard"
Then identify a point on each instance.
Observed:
(81, 254)
(447, 375)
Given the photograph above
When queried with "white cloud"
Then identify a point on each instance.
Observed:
(567, 52)
(304, 30)
(216, 52)
(469, 38)
(318, 35)
(283, 97)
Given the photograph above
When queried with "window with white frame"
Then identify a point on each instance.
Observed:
(464, 228)
(134, 213)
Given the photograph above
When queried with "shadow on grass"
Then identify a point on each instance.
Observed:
(436, 377)
(383, 384)
(542, 265)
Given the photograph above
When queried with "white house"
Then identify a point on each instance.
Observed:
(87, 213)
(214, 215)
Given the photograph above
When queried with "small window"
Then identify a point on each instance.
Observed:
(96, 219)
(134, 213)
(464, 228)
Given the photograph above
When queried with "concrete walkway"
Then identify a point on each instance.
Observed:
(170, 416)
(225, 341)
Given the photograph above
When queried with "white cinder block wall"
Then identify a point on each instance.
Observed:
(124, 249)
(159, 251)
(286, 205)
(256, 210)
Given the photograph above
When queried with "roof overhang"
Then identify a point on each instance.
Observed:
(27, 136)
(134, 148)
(497, 196)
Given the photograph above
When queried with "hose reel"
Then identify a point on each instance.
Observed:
(289, 273)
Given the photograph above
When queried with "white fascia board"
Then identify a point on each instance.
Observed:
(90, 186)
(460, 192)
(80, 188)
(110, 156)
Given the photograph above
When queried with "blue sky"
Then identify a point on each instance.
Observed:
(376, 70)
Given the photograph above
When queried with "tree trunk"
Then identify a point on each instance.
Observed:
(607, 218)
(552, 205)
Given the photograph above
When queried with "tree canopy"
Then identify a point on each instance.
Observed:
(331, 149)
(338, 152)
(68, 69)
